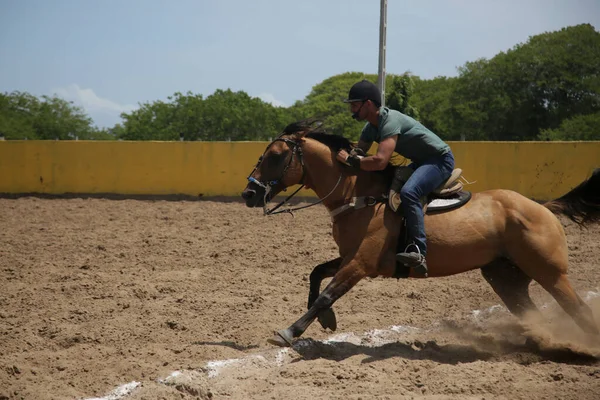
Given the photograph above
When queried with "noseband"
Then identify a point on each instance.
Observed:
(296, 150)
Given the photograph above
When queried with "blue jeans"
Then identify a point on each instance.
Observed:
(426, 178)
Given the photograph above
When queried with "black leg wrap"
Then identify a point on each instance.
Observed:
(321, 271)
(323, 301)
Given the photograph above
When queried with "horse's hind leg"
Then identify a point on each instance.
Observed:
(537, 244)
(511, 285)
(551, 273)
(326, 270)
(560, 288)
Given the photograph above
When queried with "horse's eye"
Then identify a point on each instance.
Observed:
(275, 157)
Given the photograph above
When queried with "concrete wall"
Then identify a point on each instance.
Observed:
(540, 170)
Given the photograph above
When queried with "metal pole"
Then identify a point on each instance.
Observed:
(382, 34)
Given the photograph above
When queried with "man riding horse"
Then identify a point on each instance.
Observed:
(432, 161)
(513, 240)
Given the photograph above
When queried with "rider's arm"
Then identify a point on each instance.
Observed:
(380, 160)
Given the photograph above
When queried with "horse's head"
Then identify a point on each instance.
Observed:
(280, 166)
(283, 165)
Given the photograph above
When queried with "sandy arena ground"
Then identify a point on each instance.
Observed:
(129, 299)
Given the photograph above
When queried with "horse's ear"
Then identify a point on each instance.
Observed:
(313, 125)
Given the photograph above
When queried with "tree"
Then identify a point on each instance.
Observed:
(537, 89)
(224, 115)
(16, 117)
(400, 93)
(532, 87)
(24, 116)
(434, 98)
(152, 121)
(325, 101)
(581, 127)
(237, 116)
(188, 116)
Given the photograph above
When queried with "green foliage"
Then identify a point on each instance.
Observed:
(400, 93)
(24, 116)
(16, 117)
(225, 115)
(99, 134)
(152, 121)
(325, 101)
(581, 127)
(547, 88)
(434, 98)
(532, 87)
(516, 95)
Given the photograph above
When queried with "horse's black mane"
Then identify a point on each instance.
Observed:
(313, 129)
(335, 142)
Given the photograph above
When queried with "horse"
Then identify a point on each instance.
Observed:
(510, 238)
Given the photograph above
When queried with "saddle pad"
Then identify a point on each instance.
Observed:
(449, 203)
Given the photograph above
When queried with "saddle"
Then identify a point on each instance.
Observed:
(450, 193)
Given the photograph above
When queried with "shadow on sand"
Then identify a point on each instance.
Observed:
(499, 350)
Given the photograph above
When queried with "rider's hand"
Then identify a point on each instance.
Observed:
(342, 156)
(357, 151)
(348, 159)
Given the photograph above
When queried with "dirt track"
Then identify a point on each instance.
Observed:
(100, 293)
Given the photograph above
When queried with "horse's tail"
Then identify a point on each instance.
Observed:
(581, 204)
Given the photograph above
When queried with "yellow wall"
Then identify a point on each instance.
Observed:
(540, 170)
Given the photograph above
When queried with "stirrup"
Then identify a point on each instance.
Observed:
(394, 200)
(413, 260)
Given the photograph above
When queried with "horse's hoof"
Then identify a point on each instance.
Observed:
(282, 339)
(327, 319)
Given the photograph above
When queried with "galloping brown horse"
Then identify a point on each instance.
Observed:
(511, 238)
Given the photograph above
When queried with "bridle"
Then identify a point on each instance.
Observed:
(296, 151)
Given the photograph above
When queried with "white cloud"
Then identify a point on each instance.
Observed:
(269, 98)
(103, 111)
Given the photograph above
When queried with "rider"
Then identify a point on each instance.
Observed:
(431, 157)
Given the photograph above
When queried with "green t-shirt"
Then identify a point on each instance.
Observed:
(415, 142)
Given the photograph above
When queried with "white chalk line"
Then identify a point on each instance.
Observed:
(120, 392)
(280, 357)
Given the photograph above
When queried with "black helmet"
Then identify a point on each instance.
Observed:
(363, 91)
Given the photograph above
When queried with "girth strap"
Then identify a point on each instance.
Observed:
(356, 203)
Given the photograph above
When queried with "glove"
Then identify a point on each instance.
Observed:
(354, 161)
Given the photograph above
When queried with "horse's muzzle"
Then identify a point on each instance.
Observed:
(253, 198)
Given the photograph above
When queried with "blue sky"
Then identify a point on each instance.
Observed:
(110, 55)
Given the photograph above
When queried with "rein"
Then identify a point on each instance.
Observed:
(296, 150)
(289, 210)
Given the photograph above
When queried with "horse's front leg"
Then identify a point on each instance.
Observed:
(326, 270)
(348, 276)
